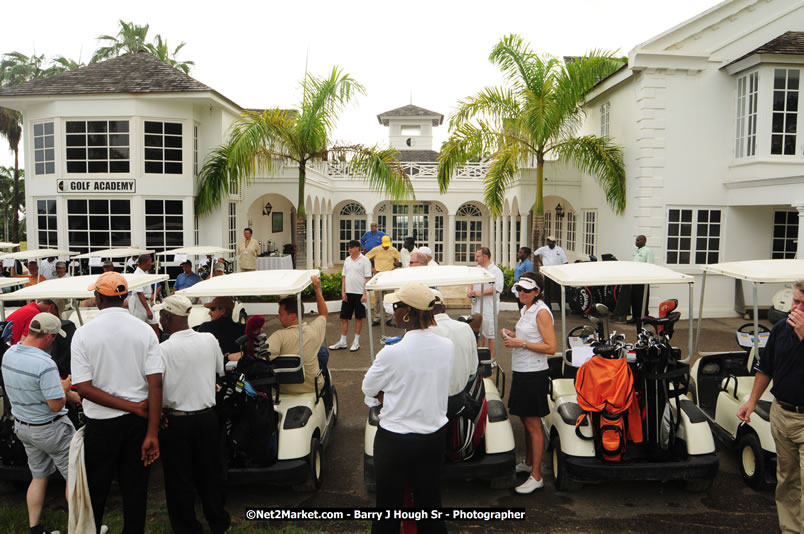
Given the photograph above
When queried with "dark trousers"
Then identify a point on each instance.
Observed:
(637, 309)
(552, 293)
(113, 447)
(191, 458)
(412, 460)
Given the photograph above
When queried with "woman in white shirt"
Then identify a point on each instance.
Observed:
(532, 343)
(411, 380)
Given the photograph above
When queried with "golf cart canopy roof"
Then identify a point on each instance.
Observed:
(12, 281)
(4, 244)
(37, 254)
(760, 271)
(446, 275)
(252, 284)
(199, 250)
(75, 287)
(114, 253)
(603, 273)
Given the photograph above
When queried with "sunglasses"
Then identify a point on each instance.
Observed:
(522, 289)
(398, 305)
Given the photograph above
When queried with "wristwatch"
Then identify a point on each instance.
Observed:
(524, 344)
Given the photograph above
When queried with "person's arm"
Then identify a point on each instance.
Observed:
(343, 286)
(649, 256)
(545, 323)
(150, 445)
(761, 381)
(321, 304)
(57, 404)
(144, 302)
(98, 396)
(376, 377)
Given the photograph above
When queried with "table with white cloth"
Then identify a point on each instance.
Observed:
(267, 263)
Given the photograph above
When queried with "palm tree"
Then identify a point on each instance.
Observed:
(130, 39)
(160, 49)
(11, 129)
(260, 141)
(7, 205)
(535, 116)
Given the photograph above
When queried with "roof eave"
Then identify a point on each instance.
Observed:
(735, 67)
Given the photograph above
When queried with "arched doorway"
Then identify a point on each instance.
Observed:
(351, 225)
(271, 217)
(468, 233)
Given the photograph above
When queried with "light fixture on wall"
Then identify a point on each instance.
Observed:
(559, 211)
(267, 209)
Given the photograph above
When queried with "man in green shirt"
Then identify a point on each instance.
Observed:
(638, 309)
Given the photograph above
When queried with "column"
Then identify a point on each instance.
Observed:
(309, 248)
(317, 241)
(369, 220)
(490, 234)
(324, 242)
(449, 240)
(505, 241)
(800, 208)
(514, 245)
(330, 241)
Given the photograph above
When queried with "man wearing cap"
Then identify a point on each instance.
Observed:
(286, 339)
(372, 238)
(551, 254)
(139, 300)
(22, 317)
(247, 252)
(191, 455)
(356, 272)
(61, 270)
(383, 258)
(37, 396)
(223, 327)
(429, 253)
(483, 298)
(117, 367)
(187, 278)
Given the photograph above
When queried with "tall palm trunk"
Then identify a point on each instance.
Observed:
(299, 237)
(15, 219)
(537, 232)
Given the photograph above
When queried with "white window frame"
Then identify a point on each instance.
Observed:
(232, 219)
(784, 239)
(786, 115)
(684, 249)
(589, 232)
(195, 149)
(149, 150)
(47, 216)
(468, 220)
(44, 144)
(605, 115)
(163, 230)
(351, 226)
(108, 146)
(747, 109)
(571, 228)
(410, 130)
(92, 213)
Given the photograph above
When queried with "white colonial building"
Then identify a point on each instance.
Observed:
(707, 113)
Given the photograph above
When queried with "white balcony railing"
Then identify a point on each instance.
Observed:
(415, 170)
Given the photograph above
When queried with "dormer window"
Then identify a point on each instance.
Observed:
(410, 130)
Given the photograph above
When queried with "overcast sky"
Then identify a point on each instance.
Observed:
(429, 52)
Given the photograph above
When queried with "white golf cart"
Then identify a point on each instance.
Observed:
(497, 460)
(723, 381)
(304, 421)
(13, 463)
(689, 455)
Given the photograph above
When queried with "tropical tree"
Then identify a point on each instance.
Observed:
(7, 205)
(130, 39)
(160, 49)
(535, 116)
(260, 141)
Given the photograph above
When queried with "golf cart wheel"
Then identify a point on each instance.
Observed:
(313, 481)
(560, 476)
(752, 460)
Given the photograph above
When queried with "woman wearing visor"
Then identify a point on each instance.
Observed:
(531, 344)
(411, 380)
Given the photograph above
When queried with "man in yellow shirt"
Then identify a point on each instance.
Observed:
(247, 252)
(383, 258)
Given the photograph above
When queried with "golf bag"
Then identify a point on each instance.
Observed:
(467, 420)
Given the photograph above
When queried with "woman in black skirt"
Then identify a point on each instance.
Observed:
(533, 341)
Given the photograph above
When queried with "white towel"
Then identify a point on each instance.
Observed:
(80, 519)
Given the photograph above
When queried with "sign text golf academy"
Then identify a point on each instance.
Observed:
(97, 186)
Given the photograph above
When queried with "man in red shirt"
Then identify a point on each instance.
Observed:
(22, 317)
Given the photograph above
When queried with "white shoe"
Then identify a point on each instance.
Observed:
(355, 346)
(104, 529)
(529, 486)
(337, 346)
(522, 467)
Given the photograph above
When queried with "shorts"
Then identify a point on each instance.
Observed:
(487, 325)
(47, 446)
(135, 308)
(352, 305)
(528, 397)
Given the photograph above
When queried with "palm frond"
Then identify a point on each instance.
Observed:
(602, 159)
(323, 101)
(515, 59)
(378, 167)
(214, 181)
(469, 142)
(495, 103)
(499, 177)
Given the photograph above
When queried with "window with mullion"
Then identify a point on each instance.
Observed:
(785, 235)
(163, 147)
(96, 224)
(746, 127)
(784, 116)
(97, 146)
(164, 224)
(570, 243)
(47, 223)
(44, 151)
(693, 236)
(589, 232)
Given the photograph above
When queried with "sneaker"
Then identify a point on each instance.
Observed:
(355, 346)
(104, 529)
(529, 486)
(522, 467)
(338, 346)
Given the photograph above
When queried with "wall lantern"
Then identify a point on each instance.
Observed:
(267, 209)
(559, 211)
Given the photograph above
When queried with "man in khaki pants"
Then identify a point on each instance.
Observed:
(783, 362)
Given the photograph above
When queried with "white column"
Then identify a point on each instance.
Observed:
(505, 240)
(499, 244)
(514, 245)
(317, 241)
(449, 240)
(800, 244)
(324, 242)
(329, 240)
(309, 248)
(490, 234)
(369, 220)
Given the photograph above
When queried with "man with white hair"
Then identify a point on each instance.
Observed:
(429, 253)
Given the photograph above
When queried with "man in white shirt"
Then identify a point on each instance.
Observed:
(139, 300)
(429, 253)
(117, 368)
(356, 272)
(191, 455)
(484, 298)
(61, 270)
(408, 248)
(47, 268)
(464, 364)
(551, 254)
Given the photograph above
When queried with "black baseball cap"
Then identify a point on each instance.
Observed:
(354, 243)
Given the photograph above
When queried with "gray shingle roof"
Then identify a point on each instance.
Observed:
(410, 111)
(789, 43)
(132, 73)
(417, 155)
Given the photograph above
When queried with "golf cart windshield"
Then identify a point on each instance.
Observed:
(441, 276)
(611, 273)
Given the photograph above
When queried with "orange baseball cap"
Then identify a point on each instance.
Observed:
(111, 284)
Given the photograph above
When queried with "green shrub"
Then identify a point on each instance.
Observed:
(508, 278)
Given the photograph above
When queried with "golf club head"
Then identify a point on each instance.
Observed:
(602, 310)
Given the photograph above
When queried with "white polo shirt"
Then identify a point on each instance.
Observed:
(464, 364)
(524, 360)
(551, 256)
(192, 360)
(116, 351)
(356, 272)
(499, 281)
(414, 375)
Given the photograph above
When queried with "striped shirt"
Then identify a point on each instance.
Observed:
(31, 378)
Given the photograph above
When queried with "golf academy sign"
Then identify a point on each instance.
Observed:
(97, 186)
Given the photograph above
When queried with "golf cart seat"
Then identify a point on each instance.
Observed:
(667, 318)
(739, 388)
(562, 388)
(288, 369)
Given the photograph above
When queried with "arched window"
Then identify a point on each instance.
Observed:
(352, 225)
(468, 233)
